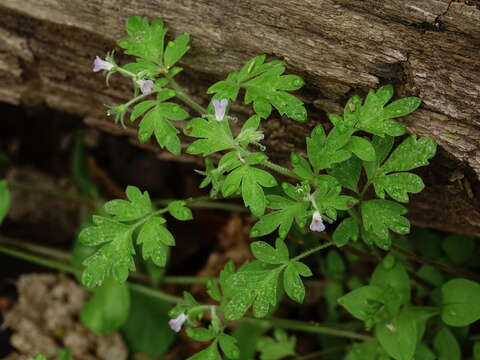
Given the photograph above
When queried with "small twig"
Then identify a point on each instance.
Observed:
(372, 259)
(320, 354)
(448, 269)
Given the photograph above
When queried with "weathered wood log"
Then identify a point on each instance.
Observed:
(428, 48)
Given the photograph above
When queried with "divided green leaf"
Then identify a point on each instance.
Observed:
(256, 284)
(292, 281)
(287, 209)
(277, 348)
(157, 122)
(114, 236)
(265, 87)
(380, 216)
(324, 151)
(215, 136)
(250, 181)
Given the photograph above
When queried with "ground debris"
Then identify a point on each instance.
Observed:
(45, 318)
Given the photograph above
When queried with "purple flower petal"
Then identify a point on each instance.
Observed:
(146, 86)
(317, 222)
(177, 323)
(100, 64)
(220, 108)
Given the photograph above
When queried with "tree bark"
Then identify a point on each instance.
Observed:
(428, 48)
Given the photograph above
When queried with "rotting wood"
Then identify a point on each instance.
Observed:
(428, 48)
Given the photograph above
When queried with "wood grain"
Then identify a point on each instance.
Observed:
(428, 48)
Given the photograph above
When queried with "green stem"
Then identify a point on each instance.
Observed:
(182, 95)
(310, 327)
(365, 188)
(139, 97)
(154, 293)
(42, 250)
(186, 280)
(125, 72)
(203, 203)
(40, 261)
(280, 169)
(283, 323)
(311, 251)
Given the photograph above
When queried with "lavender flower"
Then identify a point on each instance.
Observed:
(145, 86)
(100, 64)
(317, 222)
(177, 323)
(220, 108)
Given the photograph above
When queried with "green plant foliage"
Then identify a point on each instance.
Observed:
(265, 86)
(250, 181)
(259, 283)
(460, 305)
(278, 347)
(399, 337)
(107, 310)
(114, 234)
(446, 345)
(347, 230)
(38, 357)
(380, 301)
(287, 209)
(4, 199)
(64, 354)
(459, 249)
(352, 181)
(146, 329)
(367, 350)
(248, 335)
(380, 216)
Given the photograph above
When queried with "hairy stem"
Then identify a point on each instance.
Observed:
(280, 169)
(204, 203)
(139, 97)
(312, 251)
